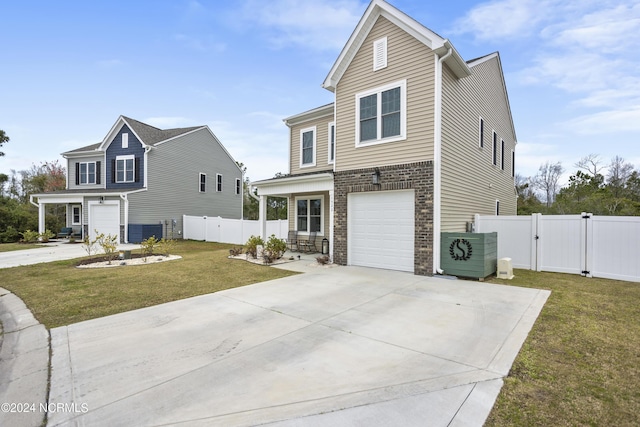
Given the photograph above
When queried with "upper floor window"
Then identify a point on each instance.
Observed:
(218, 182)
(381, 114)
(380, 54)
(125, 169)
(87, 173)
(238, 186)
(502, 154)
(495, 149)
(308, 147)
(481, 133)
(332, 142)
(203, 182)
(125, 140)
(513, 163)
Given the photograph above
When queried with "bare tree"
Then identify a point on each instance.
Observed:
(591, 163)
(618, 175)
(547, 180)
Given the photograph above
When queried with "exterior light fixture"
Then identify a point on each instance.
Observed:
(375, 177)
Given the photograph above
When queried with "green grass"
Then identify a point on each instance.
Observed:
(580, 365)
(6, 247)
(59, 294)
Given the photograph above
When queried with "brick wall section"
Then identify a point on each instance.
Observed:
(416, 176)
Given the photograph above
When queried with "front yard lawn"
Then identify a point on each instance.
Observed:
(6, 247)
(580, 364)
(59, 294)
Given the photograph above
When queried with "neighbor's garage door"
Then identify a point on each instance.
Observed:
(381, 229)
(105, 218)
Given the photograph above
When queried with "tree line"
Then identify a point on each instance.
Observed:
(595, 187)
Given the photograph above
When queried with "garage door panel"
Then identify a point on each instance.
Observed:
(105, 218)
(381, 230)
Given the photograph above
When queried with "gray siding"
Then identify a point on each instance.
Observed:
(173, 182)
(471, 183)
(71, 168)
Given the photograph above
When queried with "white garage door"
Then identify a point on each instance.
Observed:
(381, 229)
(105, 218)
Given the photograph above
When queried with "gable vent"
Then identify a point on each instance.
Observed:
(380, 54)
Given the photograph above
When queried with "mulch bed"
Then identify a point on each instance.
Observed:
(104, 258)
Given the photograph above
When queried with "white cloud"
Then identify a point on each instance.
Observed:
(319, 25)
(502, 19)
(606, 122)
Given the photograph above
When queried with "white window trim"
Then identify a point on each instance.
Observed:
(497, 211)
(329, 160)
(219, 183)
(308, 198)
(200, 175)
(95, 173)
(513, 163)
(238, 186)
(380, 54)
(402, 84)
(79, 215)
(481, 133)
(125, 140)
(502, 153)
(125, 158)
(302, 132)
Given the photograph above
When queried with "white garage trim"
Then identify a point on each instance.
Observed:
(107, 214)
(381, 229)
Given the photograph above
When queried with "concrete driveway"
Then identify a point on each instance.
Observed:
(340, 346)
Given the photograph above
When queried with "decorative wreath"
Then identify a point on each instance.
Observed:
(465, 251)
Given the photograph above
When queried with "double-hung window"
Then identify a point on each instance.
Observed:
(88, 173)
(308, 147)
(309, 215)
(125, 169)
(381, 114)
(76, 214)
(203, 182)
(218, 182)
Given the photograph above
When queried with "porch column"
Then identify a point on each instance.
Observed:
(262, 217)
(331, 211)
(41, 215)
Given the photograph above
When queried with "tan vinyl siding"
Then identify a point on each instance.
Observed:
(470, 182)
(407, 59)
(173, 182)
(322, 149)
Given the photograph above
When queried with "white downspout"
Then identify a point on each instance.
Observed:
(126, 216)
(437, 163)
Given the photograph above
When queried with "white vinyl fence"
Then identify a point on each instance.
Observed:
(223, 230)
(594, 246)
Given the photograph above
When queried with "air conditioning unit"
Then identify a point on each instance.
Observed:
(505, 269)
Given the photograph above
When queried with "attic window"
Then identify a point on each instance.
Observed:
(380, 54)
(125, 140)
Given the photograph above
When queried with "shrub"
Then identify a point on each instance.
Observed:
(167, 246)
(235, 251)
(251, 247)
(30, 236)
(48, 234)
(10, 235)
(275, 248)
(322, 260)
(148, 246)
(108, 243)
(89, 245)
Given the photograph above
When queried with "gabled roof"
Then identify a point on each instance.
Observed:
(147, 134)
(379, 8)
(312, 114)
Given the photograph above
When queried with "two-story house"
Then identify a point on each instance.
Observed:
(140, 180)
(416, 142)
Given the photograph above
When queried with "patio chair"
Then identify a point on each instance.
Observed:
(64, 233)
(309, 245)
(292, 240)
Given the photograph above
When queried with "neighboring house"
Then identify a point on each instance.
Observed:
(140, 180)
(415, 143)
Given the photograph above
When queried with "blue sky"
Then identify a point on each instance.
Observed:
(70, 68)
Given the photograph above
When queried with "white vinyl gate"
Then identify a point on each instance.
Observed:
(598, 246)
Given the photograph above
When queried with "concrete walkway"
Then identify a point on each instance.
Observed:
(48, 252)
(341, 346)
